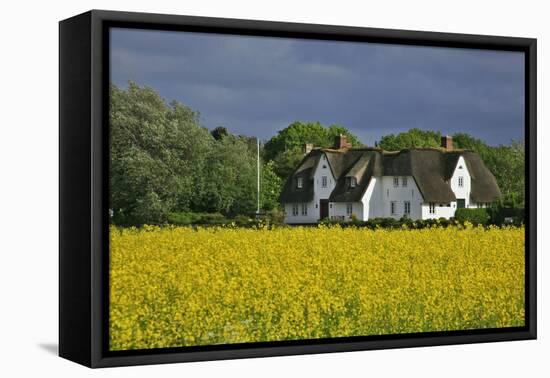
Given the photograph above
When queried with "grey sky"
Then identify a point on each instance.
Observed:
(257, 85)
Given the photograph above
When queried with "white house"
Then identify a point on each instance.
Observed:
(344, 183)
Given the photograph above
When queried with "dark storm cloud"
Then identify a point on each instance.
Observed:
(257, 86)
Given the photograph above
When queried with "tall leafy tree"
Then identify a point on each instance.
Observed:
(157, 149)
(409, 139)
(230, 185)
(285, 148)
(271, 185)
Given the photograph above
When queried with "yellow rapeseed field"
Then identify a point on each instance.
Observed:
(175, 286)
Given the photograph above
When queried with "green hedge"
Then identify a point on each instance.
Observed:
(188, 218)
(475, 216)
(499, 215)
(273, 217)
(392, 223)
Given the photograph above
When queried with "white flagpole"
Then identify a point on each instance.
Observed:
(258, 161)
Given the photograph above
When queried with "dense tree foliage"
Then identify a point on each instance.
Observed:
(163, 161)
(411, 138)
(286, 148)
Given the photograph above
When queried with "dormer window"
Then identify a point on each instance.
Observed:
(299, 182)
(404, 182)
(352, 182)
(395, 182)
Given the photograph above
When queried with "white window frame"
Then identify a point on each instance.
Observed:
(349, 208)
(404, 182)
(299, 182)
(352, 182)
(396, 182)
(295, 209)
(304, 209)
(324, 181)
(461, 181)
(407, 207)
(393, 208)
(432, 208)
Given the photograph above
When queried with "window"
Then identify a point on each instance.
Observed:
(352, 182)
(349, 208)
(396, 182)
(304, 209)
(324, 181)
(407, 207)
(460, 181)
(432, 208)
(404, 182)
(295, 209)
(393, 208)
(300, 182)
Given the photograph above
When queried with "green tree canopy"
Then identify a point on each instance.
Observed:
(285, 148)
(164, 161)
(409, 139)
(299, 133)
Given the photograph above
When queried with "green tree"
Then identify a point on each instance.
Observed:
(230, 186)
(410, 139)
(285, 148)
(219, 132)
(158, 152)
(299, 133)
(270, 188)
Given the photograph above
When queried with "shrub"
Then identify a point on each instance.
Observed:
(211, 218)
(243, 220)
(188, 218)
(276, 216)
(499, 213)
(183, 218)
(474, 216)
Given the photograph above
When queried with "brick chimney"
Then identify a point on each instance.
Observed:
(447, 142)
(306, 148)
(341, 141)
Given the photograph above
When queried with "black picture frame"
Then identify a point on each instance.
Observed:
(83, 182)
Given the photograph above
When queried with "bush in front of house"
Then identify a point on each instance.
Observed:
(501, 214)
(474, 216)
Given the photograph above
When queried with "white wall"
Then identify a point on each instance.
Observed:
(461, 170)
(441, 210)
(308, 218)
(381, 192)
(339, 209)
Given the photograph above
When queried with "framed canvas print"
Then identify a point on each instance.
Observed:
(234, 188)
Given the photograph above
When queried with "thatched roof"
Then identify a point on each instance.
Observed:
(431, 169)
